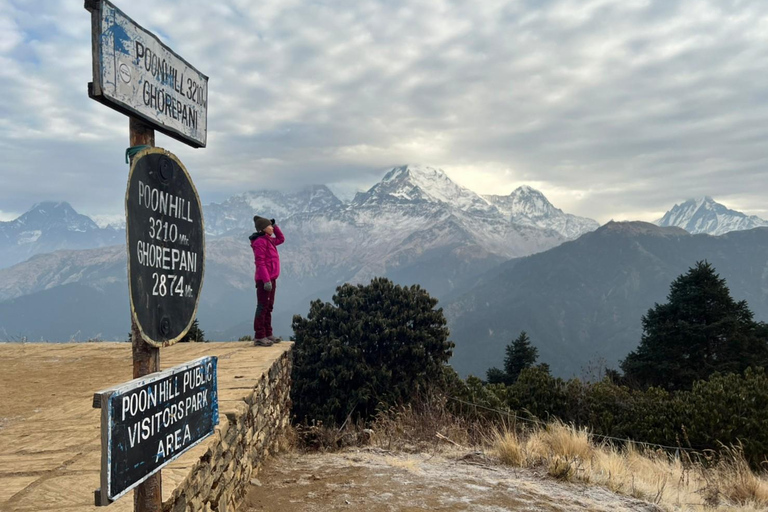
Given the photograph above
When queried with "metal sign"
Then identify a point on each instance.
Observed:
(136, 74)
(166, 246)
(150, 421)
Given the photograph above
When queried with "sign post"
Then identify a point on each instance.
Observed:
(166, 244)
(150, 421)
(136, 74)
(146, 359)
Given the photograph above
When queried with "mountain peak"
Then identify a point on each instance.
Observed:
(526, 189)
(53, 214)
(705, 215)
(528, 206)
(47, 207)
(49, 226)
(421, 184)
(417, 171)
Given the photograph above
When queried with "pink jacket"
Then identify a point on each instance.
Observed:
(266, 257)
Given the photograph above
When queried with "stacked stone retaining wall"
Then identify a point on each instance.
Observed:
(251, 429)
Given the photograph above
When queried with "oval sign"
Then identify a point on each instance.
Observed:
(166, 246)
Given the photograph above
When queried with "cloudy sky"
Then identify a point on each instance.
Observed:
(612, 108)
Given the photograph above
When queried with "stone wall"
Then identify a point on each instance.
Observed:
(250, 430)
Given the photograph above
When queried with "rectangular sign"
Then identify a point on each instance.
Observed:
(136, 74)
(150, 421)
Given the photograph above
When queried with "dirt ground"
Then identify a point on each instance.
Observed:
(376, 481)
(37, 376)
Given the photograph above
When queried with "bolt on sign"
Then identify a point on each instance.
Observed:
(136, 74)
(166, 246)
(150, 421)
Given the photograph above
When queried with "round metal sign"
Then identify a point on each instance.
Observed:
(166, 246)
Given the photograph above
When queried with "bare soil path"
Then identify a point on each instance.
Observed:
(376, 481)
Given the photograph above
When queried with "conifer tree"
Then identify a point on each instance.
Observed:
(520, 354)
(195, 333)
(699, 331)
(375, 344)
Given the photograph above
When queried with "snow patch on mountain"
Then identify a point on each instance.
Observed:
(28, 237)
(705, 215)
(116, 221)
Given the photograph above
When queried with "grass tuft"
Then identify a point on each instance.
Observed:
(508, 448)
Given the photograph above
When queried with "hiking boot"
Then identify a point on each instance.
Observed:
(262, 342)
(274, 339)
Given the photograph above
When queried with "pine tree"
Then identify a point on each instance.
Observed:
(520, 354)
(376, 344)
(699, 331)
(195, 333)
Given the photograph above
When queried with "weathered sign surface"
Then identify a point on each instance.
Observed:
(135, 73)
(150, 421)
(166, 246)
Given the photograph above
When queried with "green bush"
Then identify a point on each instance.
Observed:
(538, 394)
(730, 409)
(375, 344)
(725, 410)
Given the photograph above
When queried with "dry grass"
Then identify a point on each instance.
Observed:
(568, 441)
(673, 483)
(508, 447)
(425, 426)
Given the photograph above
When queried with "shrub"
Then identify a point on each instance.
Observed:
(374, 344)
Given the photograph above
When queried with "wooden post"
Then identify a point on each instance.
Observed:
(148, 496)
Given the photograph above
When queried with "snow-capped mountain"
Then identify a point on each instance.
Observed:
(414, 184)
(415, 226)
(236, 213)
(705, 215)
(50, 226)
(528, 207)
(414, 209)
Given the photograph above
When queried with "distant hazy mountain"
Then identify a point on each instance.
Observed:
(584, 299)
(48, 227)
(705, 215)
(528, 207)
(235, 215)
(415, 226)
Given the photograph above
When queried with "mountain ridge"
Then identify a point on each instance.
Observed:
(406, 227)
(49, 226)
(706, 216)
(584, 299)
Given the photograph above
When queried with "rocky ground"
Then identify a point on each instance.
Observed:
(376, 481)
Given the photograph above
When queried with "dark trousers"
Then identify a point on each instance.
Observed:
(265, 300)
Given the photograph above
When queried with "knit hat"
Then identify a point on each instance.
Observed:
(261, 223)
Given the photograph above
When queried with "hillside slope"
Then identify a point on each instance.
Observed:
(584, 299)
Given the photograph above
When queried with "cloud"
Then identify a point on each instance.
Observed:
(613, 108)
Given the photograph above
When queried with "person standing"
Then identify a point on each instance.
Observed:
(264, 243)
